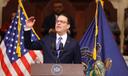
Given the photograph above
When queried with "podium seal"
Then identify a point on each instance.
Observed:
(56, 69)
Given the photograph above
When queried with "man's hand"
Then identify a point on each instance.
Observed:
(30, 22)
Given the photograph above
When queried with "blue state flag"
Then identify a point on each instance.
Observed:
(107, 45)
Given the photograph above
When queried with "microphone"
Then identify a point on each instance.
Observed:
(61, 46)
(59, 51)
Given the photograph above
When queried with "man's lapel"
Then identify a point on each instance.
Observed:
(53, 45)
(66, 46)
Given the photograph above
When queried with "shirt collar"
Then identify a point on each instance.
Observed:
(64, 38)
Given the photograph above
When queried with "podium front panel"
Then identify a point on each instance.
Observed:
(57, 70)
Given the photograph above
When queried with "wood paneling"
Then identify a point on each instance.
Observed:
(83, 12)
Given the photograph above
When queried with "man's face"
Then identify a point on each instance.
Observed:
(62, 25)
(58, 8)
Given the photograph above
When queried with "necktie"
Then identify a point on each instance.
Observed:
(59, 46)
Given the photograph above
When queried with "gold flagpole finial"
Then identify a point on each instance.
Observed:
(101, 1)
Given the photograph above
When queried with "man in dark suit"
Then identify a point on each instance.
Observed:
(50, 20)
(58, 47)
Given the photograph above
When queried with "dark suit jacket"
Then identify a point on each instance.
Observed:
(49, 22)
(69, 54)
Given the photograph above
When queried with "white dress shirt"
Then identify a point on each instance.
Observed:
(64, 38)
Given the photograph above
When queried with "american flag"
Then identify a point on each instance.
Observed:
(10, 63)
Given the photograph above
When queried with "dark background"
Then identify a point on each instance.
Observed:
(82, 10)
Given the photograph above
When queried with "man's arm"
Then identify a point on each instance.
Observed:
(36, 45)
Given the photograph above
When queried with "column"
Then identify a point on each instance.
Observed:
(120, 5)
(3, 3)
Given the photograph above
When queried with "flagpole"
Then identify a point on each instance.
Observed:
(21, 5)
(19, 28)
(96, 29)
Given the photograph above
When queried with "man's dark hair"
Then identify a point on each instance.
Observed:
(68, 17)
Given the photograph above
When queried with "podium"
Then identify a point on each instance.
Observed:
(57, 70)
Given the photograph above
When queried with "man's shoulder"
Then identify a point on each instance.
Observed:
(73, 40)
(50, 36)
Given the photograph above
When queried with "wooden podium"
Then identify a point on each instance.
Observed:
(57, 70)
